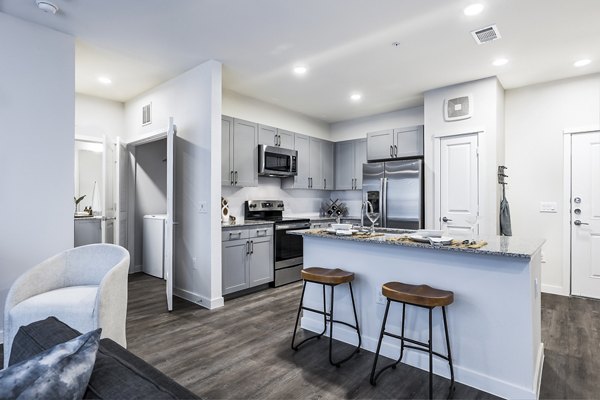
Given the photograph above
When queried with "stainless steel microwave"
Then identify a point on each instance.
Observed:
(277, 161)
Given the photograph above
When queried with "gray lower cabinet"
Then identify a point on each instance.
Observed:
(247, 258)
(350, 155)
(239, 152)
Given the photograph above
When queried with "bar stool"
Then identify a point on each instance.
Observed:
(331, 278)
(421, 296)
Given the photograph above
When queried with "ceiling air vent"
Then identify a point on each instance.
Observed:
(487, 34)
(147, 114)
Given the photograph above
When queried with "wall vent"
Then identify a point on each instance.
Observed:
(147, 114)
(458, 108)
(487, 34)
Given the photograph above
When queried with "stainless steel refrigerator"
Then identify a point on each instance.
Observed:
(395, 188)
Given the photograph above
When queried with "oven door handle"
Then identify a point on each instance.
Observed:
(292, 227)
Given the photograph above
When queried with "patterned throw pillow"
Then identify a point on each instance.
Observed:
(61, 372)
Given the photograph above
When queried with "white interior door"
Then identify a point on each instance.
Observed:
(585, 214)
(120, 195)
(459, 183)
(108, 200)
(170, 221)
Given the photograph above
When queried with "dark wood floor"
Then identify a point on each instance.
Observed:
(242, 350)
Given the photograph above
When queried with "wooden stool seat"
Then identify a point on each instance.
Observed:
(420, 295)
(327, 276)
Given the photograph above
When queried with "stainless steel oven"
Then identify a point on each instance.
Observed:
(276, 161)
(288, 248)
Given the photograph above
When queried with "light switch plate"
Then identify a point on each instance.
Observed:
(548, 207)
(202, 207)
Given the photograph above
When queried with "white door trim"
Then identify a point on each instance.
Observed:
(565, 290)
(437, 185)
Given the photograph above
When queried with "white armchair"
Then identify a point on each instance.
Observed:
(85, 287)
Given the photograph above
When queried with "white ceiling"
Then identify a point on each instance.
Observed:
(345, 43)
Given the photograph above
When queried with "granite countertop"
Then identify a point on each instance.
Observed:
(323, 218)
(243, 223)
(98, 217)
(496, 245)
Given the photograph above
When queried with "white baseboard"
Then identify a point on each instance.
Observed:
(420, 360)
(553, 289)
(135, 269)
(200, 300)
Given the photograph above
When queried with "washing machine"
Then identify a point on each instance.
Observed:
(153, 245)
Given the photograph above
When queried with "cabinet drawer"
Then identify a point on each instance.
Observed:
(234, 234)
(261, 231)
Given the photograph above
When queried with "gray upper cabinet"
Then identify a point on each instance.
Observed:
(380, 145)
(395, 143)
(300, 181)
(316, 164)
(267, 135)
(327, 161)
(226, 164)
(239, 163)
(350, 155)
(285, 139)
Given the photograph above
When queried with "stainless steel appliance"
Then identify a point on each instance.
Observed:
(277, 161)
(396, 190)
(288, 248)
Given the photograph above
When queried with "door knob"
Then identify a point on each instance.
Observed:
(446, 219)
(578, 222)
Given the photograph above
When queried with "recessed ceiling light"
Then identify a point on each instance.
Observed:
(355, 96)
(300, 70)
(500, 62)
(46, 6)
(473, 9)
(582, 63)
(104, 80)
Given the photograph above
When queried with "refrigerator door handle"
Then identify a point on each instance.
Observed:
(382, 202)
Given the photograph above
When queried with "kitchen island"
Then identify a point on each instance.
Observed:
(494, 322)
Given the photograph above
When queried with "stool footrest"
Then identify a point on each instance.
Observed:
(425, 346)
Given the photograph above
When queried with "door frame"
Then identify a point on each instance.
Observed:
(437, 182)
(567, 273)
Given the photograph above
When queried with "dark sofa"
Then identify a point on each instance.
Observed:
(118, 374)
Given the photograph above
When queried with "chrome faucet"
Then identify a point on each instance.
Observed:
(364, 208)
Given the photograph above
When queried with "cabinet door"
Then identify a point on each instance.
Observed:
(301, 144)
(245, 153)
(344, 165)
(360, 158)
(408, 142)
(316, 163)
(286, 139)
(380, 145)
(267, 135)
(327, 160)
(235, 264)
(261, 267)
(226, 167)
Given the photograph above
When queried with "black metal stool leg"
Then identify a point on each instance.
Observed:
(452, 387)
(300, 307)
(331, 328)
(355, 319)
(402, 336)
(385, 315)
(430, 348)
(298, 316)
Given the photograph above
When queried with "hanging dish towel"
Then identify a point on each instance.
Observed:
(505, 225)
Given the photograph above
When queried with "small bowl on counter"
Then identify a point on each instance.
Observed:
(341, 227)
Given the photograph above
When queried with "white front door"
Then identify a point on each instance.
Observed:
(170, 221)
(585, 214)
(108, 190)
(459, 183)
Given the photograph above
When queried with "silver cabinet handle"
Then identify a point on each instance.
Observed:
(578, 222)
(395, 150)
(247, 248)
(235, 180)
(391, 151)
(324, 183)
(446, 219)
(231, 177)
(252, 247)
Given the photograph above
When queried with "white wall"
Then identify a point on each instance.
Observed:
(487, 118)
(36, 154)
(98, 117)
(194, 100)
(243, 107)
(359, 127)
(150, 188)
(535, 119)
